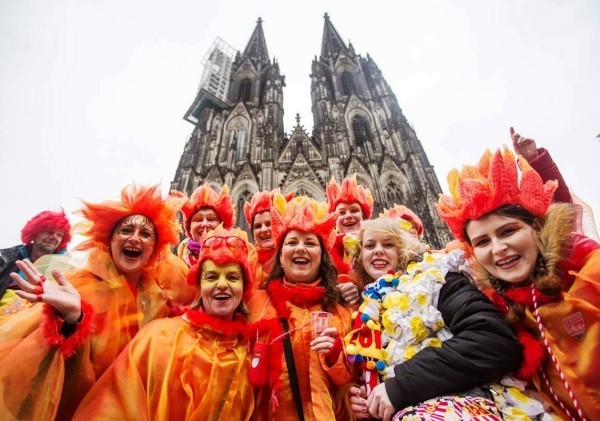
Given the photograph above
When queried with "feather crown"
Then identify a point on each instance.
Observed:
(101, 218)
(402, 212)
(205, 197)
(478, 190)
(302, 214)
(224, 246)
(261, 202)
(349, 192)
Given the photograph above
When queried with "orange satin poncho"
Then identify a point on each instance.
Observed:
(44, 375)
(322, 387)
(193, 367)
(572, 328)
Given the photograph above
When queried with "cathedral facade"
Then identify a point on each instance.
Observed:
(359, 129)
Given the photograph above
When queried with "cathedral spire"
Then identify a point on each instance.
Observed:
(257, 46)
(332, 42)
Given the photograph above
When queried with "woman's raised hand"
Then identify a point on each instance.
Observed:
(524, 146)
(61, 295)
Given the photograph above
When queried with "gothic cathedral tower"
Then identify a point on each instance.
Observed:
(359, 129)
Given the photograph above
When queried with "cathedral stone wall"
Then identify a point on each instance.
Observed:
(359, 129)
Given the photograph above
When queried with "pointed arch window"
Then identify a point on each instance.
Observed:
(244, 197)
(245, 93)
(360, 127)
(347, 83)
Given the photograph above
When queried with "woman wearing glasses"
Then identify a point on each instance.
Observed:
(90, 315)
(304, 370)
(194, 366)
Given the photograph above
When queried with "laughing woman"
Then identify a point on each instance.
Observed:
(544, 277)
(194, 366)
(306, 371)
(91, 314)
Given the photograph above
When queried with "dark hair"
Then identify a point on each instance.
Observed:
(511, 211)
(516, 311)
(327, 272)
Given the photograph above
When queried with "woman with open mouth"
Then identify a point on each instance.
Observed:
(306, 369)
(203, 211)
(538, 271)
(424, 337)
(54, 352)
(195, 366)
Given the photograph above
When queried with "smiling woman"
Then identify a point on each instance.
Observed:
(53, 352)
(305, 373)
(538, 271)
(190, 367)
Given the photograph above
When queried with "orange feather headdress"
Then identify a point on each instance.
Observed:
(349, 192)
(477, 191)
(302, 214)
(224, 246)
(205, 197)
(101, 218)
(261, 202)
(402, 212)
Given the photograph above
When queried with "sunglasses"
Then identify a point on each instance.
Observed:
(231, 242)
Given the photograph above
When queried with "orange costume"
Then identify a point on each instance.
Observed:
(567, 322)
(321, 378)
(46, 366)
(348, 192)
(193, 367)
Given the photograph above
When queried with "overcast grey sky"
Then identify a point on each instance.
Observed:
(93, 92)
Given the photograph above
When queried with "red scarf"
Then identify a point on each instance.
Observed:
(533, 350)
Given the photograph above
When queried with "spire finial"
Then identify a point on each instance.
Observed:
(297, 119)
(259, 20)
(326, 16)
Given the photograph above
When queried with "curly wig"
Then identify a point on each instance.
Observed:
(47, 220)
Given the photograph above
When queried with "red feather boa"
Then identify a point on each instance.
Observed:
(533, 350)
(199, 318)
(52, 324)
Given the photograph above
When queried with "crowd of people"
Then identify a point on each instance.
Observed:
(328, 313)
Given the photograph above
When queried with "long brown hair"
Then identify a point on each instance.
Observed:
(327, 272)
(545, 276)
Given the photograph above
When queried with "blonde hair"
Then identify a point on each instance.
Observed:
(408, 245)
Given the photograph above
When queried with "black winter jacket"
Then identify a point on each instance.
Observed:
(8, 257)
(483, 349)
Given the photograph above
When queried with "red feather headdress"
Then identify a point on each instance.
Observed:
(349, 192)
(477, 191)
(205, 197)
(303, 214)
(261, 202)
(402, 212)
(224, 246)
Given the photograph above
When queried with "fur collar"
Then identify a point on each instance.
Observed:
(555, 243)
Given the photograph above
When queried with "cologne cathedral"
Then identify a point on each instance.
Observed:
(239, 139)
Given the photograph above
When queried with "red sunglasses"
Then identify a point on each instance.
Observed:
(217, 241)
